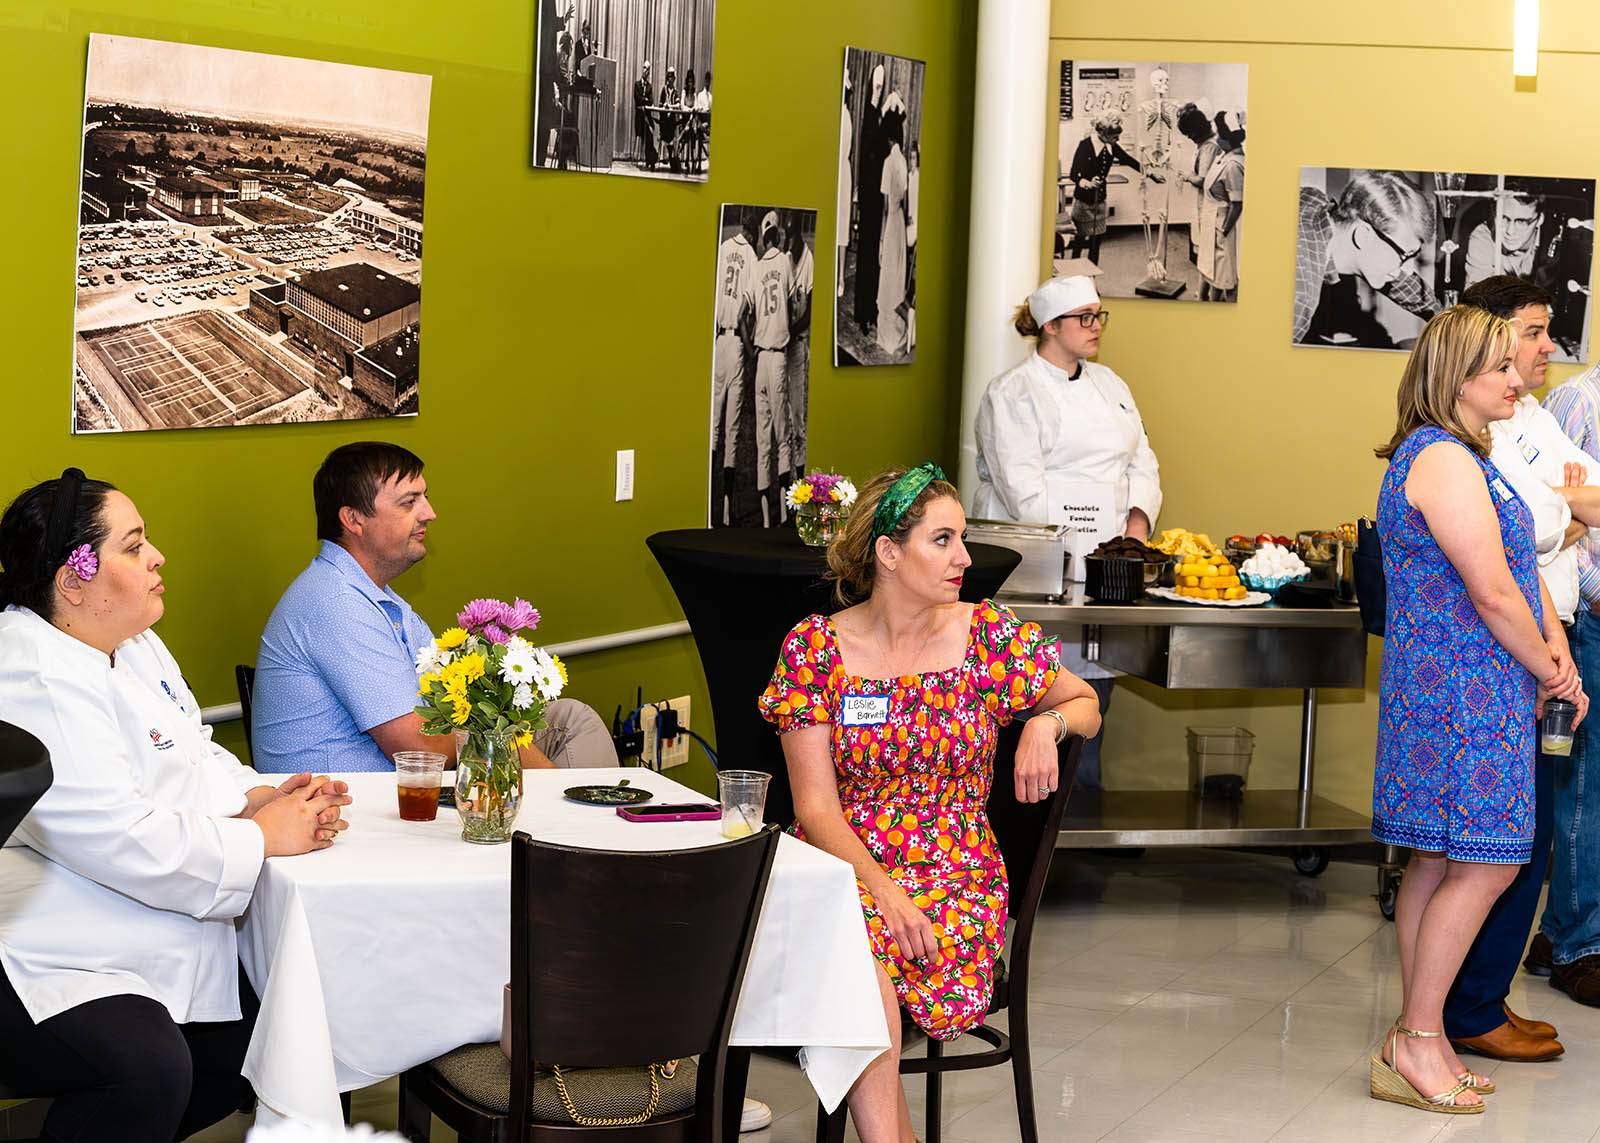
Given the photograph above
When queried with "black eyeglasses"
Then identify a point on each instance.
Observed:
(1087, 320)
(1392, 245)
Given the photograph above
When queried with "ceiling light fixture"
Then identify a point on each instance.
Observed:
(1525, 38)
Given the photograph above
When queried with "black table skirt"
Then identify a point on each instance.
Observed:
(742, 590)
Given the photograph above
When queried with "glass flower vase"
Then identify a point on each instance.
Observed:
(488, 785)
(819, 523)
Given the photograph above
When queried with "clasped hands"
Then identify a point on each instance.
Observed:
(1564, 683)
(300, 815)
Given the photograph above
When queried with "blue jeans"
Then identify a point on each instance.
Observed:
(1572, 911)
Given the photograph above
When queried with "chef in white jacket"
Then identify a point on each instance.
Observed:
(1060, 441)
(121, 995)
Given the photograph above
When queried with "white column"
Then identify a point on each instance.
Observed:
(1013, 94)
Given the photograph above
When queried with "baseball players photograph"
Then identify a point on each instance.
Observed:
(623, 87)
(875, 286)
(760, 361)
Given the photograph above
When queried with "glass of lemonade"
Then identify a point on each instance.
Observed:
(744, 799)
(1555, 728)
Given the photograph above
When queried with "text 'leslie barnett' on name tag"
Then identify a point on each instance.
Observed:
(864, 710)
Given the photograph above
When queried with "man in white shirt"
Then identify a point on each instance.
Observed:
(1558, 482)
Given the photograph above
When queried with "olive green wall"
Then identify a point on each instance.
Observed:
(1254, 434)
(567, 316)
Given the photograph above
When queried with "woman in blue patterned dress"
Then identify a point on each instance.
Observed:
(1472, 651)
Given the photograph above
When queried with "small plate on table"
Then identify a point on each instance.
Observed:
(608, 795)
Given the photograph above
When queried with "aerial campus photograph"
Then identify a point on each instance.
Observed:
(249, 240)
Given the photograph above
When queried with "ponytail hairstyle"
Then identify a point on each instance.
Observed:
(1023, 322)
(40, 529)
(853, 554)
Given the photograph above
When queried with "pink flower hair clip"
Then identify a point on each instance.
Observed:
(83, 562)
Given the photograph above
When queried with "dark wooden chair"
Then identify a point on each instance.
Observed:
(25, 775)
(1027, 837)
(244, 677)
(681, 924)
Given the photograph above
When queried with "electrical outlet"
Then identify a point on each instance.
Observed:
(674, 751)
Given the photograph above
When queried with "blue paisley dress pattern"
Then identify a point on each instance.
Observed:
(1455, 710)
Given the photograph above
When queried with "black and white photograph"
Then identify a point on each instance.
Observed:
(1381, 251)
(249, 239)
(1150, 177)
(880, 160)
(760, 361)
(623, 87)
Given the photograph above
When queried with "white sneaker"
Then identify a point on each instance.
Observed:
(756, 1116)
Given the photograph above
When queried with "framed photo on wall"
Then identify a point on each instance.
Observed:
(1379, 252)
(880, 163)
(760, 361)
(249, 239)
(623, 87)
(1149, 187)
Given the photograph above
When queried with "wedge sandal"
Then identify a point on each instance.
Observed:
(1387, 1083)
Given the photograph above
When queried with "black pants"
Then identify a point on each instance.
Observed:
(121, 1071)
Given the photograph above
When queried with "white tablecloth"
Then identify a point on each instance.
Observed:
(393, 946)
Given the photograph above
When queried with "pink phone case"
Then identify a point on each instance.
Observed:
(682, 812)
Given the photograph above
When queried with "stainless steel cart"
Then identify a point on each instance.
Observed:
(1186, 647)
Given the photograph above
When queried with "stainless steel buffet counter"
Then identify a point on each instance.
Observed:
(1187, 647)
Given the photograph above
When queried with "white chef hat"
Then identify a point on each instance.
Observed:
(1060, 296)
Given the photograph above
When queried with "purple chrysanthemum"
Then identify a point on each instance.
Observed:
(496, 633)
(83, 562)
(521, 616)
(478, 614)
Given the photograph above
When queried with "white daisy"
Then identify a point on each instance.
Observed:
(517, 662)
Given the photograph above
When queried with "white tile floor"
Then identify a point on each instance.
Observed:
(1207, 995)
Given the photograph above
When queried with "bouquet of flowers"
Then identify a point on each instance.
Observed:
(484, 677)
(821, 488)
(489, 686)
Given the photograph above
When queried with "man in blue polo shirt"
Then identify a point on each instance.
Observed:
(336, 681)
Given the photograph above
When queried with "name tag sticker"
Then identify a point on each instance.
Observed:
(1530, 451)
(1500, 487)
(864, 710)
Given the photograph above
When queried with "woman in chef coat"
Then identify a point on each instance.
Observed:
(1061, 429)
(120, 994)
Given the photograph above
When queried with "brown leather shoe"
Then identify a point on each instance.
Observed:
(1541, 955)
(1507, 1043)
(1579, 980)
(1535, 1028)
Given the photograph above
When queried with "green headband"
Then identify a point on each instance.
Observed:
(903, 494)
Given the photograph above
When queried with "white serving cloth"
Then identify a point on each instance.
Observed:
(393, 946)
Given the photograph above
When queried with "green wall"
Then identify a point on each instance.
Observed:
(567, 316)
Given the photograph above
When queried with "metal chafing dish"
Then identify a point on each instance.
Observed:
(1045, 569)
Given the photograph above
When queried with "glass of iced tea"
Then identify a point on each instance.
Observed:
(417, 775)
(744, 799)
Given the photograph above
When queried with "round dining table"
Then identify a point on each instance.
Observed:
(392, 946)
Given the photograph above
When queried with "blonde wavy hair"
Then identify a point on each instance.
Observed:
(1456, 345)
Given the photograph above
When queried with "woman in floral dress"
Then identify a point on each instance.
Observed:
(889, 711)
(1473, 645)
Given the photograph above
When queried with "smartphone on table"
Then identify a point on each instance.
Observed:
(678, 812)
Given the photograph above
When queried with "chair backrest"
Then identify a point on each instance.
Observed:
(676, 925)
(25, 775)
(244, 677)
(1027, 833)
